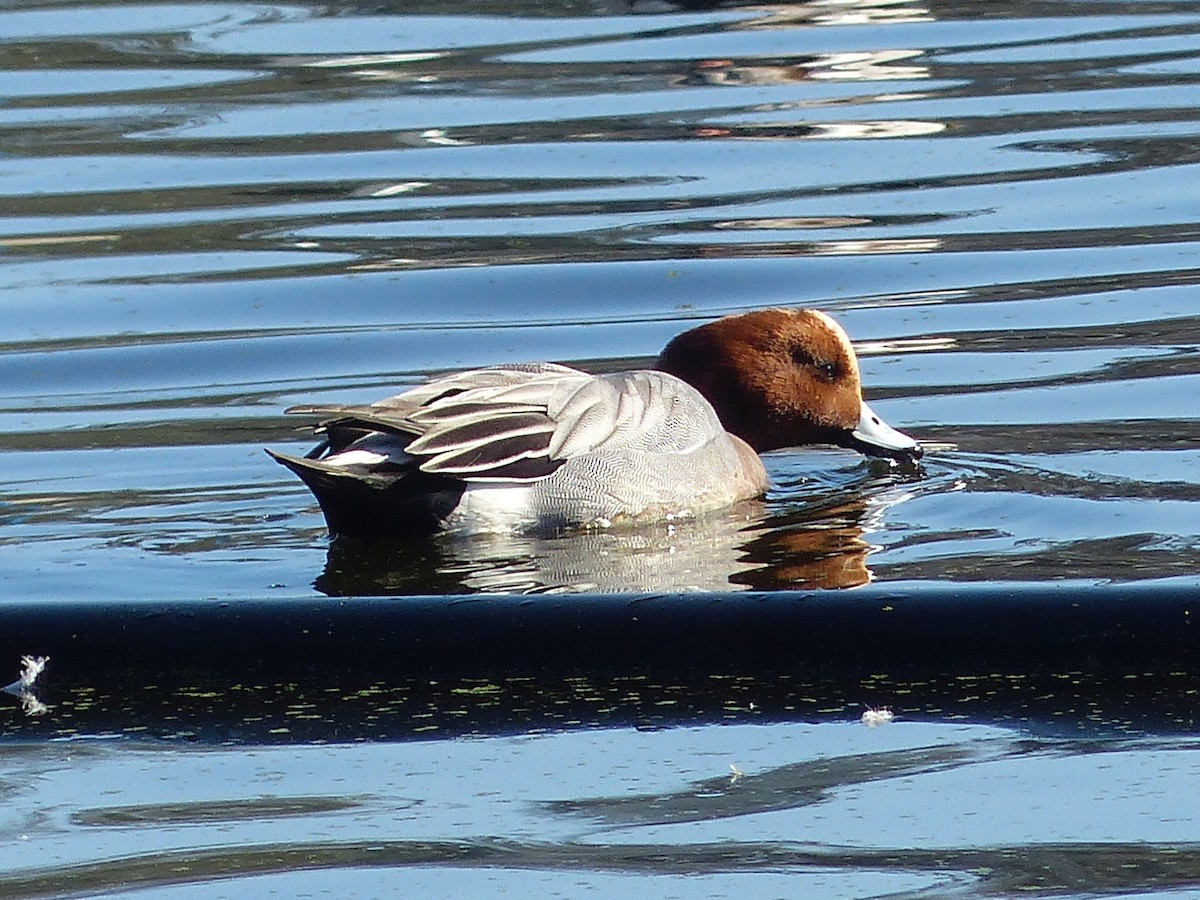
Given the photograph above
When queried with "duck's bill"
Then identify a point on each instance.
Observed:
(874, 437)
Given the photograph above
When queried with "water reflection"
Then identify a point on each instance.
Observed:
(213, 210)
(820, 541)
(692, 556)
(1023, 870)
(785, 787)
(822, 547)
(797, 820)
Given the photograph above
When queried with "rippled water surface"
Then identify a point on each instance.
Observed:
(214, 211)
(211, 211)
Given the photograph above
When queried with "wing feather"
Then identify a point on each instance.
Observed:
(483, 459)
(474, 432)
(521, 423)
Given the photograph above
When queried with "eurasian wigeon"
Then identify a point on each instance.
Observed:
(543, 446)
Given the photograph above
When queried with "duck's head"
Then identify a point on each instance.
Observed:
(782, 378)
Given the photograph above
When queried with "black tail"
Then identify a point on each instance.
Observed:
(361, 503)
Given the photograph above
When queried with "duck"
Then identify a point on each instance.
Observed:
(536, 447)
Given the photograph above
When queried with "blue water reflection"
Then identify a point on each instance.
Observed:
(213, 211)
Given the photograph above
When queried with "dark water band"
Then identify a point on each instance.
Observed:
(1113, 656)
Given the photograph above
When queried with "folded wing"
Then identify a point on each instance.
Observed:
(516, 424)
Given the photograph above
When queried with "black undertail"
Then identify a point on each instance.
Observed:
(399, 501)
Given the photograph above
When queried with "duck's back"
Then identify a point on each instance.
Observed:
(542, 447)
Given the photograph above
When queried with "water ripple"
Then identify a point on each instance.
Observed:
(211, 211)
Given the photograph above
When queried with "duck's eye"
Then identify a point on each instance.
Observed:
(825, 370)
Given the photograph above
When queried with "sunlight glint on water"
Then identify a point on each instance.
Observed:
(213, 211)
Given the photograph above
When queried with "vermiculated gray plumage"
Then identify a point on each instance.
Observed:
(585, 449)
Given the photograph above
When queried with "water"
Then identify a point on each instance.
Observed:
(216, 211)
(666, 816)
(213, 211)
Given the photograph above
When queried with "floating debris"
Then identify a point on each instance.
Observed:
(873, 718)
(31, 704)
(31, 668)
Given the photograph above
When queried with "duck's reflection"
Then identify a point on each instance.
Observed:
(689, 556)
(820, 549)
(820, 544)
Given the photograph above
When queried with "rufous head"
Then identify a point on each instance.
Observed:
(783, 378)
